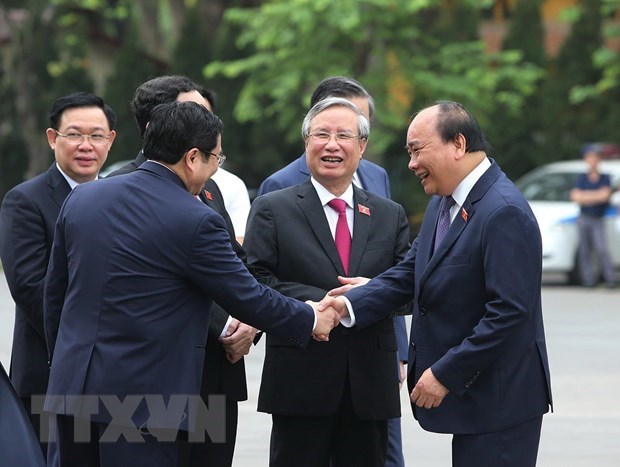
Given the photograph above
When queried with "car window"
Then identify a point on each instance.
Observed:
(548, 186)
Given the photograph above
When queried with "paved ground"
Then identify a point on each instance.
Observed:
(583, 339)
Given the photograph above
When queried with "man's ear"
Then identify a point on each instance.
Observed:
(51, 137)
(460, 145)
(191, 157)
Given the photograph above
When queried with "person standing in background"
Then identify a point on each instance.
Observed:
(81, 133)
(368, 176)
(592, 192)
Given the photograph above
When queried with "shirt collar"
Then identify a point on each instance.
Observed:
(72, 183)
(325, 196)
(462, 190)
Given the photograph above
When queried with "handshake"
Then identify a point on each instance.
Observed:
(332, 308)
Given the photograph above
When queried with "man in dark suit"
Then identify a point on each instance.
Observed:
(372, 178)
(81, 133)
(478, 361)
(135, 265)
(228, 339)
(329, 404)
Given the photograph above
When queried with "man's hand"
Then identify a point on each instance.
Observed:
(238, 340)
(428, 392)
(348, 284)
(326, 319)
(403, 373)
(336, 303)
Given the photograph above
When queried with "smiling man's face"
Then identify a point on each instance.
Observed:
(81, 160)
(333, 162)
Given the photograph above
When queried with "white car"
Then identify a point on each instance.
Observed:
(547, 189)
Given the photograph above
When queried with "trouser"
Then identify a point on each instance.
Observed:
(512, 447)
(593, 240)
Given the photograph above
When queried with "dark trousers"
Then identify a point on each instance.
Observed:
(95, 453)
(35, 419)
(339, 440)
(395, 457)
(217, 454)
(513, 447)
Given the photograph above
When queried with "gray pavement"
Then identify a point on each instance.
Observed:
(583, 339)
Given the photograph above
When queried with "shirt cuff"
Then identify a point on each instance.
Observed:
(349, 321)
(228, 321)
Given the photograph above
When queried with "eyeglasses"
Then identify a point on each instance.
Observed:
(341, 137)
(77, 138)
(220, 157)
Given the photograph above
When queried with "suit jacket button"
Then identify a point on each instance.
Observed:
(413, 346)
(422, 311)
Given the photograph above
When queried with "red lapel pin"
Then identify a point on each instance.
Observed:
(464, 214)
(363, 209)
(209, 195)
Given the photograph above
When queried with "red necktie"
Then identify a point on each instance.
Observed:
(343, 235)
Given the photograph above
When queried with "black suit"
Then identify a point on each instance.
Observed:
(27, 218)
(291, 248)
(219, 375)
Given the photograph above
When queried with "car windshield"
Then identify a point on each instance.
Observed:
(547, 186)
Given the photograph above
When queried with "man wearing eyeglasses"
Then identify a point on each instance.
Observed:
(228, 339)
(331, 404)
(368, 176)
(81, 134)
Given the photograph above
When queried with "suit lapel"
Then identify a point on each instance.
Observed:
(463, 217)
(361, 229)
(311, 208)
(59, 188)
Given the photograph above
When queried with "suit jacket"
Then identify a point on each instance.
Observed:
(18, 441)
(374, 179)
(290, 247)
(477, 319)
(223, 376)
(135, 264)
(27, 218)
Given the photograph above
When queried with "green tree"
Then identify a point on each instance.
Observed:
(568, 124)
(516, 138)
(380, 42)
(132, 67)
(607, 60)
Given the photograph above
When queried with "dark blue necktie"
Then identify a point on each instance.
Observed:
(443, 224)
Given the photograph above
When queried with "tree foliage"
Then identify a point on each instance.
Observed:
(267, 56)
(383, 43)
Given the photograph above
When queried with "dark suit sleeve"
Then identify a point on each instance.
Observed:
(225, 279)
(23, 248)
(390, 290)
(56, 284)
(261, 244)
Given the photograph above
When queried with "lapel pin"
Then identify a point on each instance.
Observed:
(464, 214)
(209, 195)
(363, 209)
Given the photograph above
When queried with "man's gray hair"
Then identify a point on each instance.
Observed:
(363, 125)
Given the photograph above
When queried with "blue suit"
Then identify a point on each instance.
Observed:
(477, 319)
(375, 180)
(135, 266)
